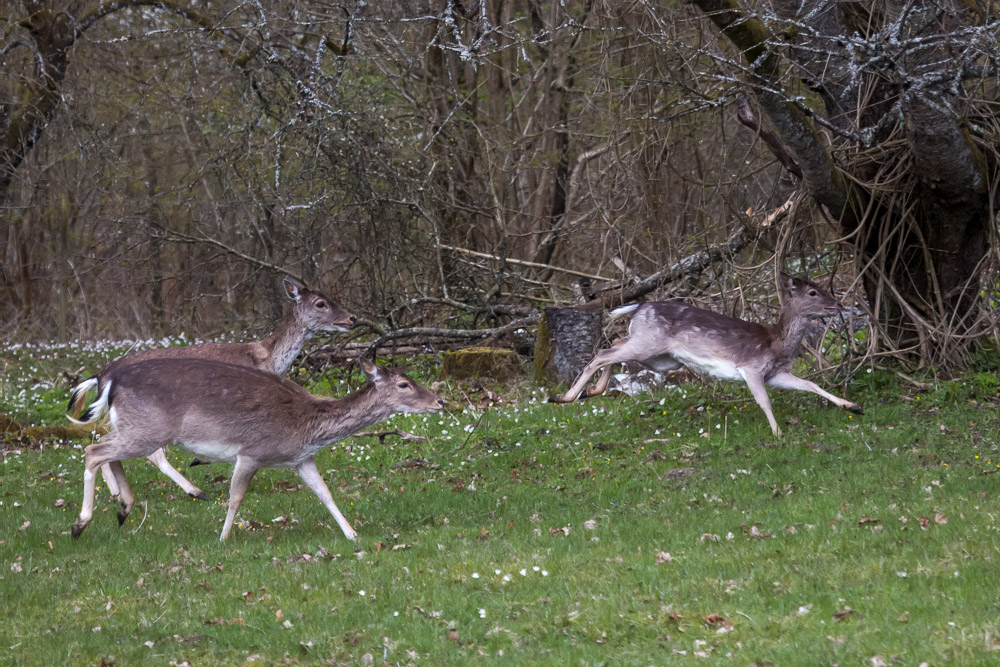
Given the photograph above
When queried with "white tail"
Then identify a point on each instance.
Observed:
(311, 312)
(236, 414)
(665, 335)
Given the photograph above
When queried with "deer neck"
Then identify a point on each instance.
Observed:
(285, 343)
(338, 418)
(791, 329)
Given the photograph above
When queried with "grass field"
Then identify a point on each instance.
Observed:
(668, 528)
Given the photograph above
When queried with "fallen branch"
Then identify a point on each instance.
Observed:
(690, 265)
(462, 334)
(522, 262)
(384, 434)
(694, 263)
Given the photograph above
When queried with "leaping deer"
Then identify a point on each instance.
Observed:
(665, 335)
(311, 311)
(236, 414)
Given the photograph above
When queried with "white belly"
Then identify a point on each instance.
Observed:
(717, 368)
(213, 451)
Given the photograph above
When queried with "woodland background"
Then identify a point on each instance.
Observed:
(457, 165)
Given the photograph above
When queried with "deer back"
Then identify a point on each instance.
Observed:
(221, 411)
(704, 341)
(311, 312)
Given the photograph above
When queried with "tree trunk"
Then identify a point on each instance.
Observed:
(567, 341)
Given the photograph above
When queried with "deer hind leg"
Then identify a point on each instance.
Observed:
(310, 475)
(110, 482)
(126, 496)
(756, 383)
(95, 457)
(786, 380)
(243, 472)
(619, 352)
(159, 459)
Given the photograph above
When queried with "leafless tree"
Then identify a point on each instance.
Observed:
(449, 164)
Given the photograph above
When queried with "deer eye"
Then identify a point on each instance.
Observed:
(321, 304)
(813, 292)
(403, 385)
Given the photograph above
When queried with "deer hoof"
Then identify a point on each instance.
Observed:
(122, 515)
(77, 529)
(201, 495)
(555, 398)
(856, 409)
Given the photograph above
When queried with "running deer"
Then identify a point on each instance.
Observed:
(235, 414)
(665, 335)
(311, 312)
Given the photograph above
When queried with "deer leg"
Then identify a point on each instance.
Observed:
(126, 495)
(786, 380)
(617, 353)
(759, 391)
(110, 481)
(601, 385)
(95, 457)
(159, 459)
(243, 472)
(87, 509)
(310, 475)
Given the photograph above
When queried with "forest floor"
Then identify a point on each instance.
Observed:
(667, 527)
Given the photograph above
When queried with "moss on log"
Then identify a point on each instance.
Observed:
(473, 362)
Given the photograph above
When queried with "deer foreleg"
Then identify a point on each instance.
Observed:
(786, 380)
(243, 472)
(759, 391)
(310, 475)
(159, 459)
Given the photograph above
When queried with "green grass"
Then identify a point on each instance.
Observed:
(533, 534)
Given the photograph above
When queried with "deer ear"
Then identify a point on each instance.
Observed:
(371, 371)
(293, 288)
(788, 283)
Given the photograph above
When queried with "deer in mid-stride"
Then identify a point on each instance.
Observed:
(665, 335)
(310, 313)
(236, 414)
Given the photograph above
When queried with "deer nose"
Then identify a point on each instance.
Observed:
(440, 402)
(353, 319)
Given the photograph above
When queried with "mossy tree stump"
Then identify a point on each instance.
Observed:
(567, 340)
(474, 362)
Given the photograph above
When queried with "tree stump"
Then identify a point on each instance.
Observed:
(567, 340)
(474, 362)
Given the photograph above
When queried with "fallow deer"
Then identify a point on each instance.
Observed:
(311, 312)
(665, 335)
(236, 414)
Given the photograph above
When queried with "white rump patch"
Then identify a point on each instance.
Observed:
(623, 310)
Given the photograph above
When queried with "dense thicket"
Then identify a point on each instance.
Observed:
(455, 164)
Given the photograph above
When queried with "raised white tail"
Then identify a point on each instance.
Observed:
(665, 335)
(232, 413)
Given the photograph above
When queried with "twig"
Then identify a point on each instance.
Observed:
(384, 434)
(453, 333)
(144, 511)
(523, 262)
